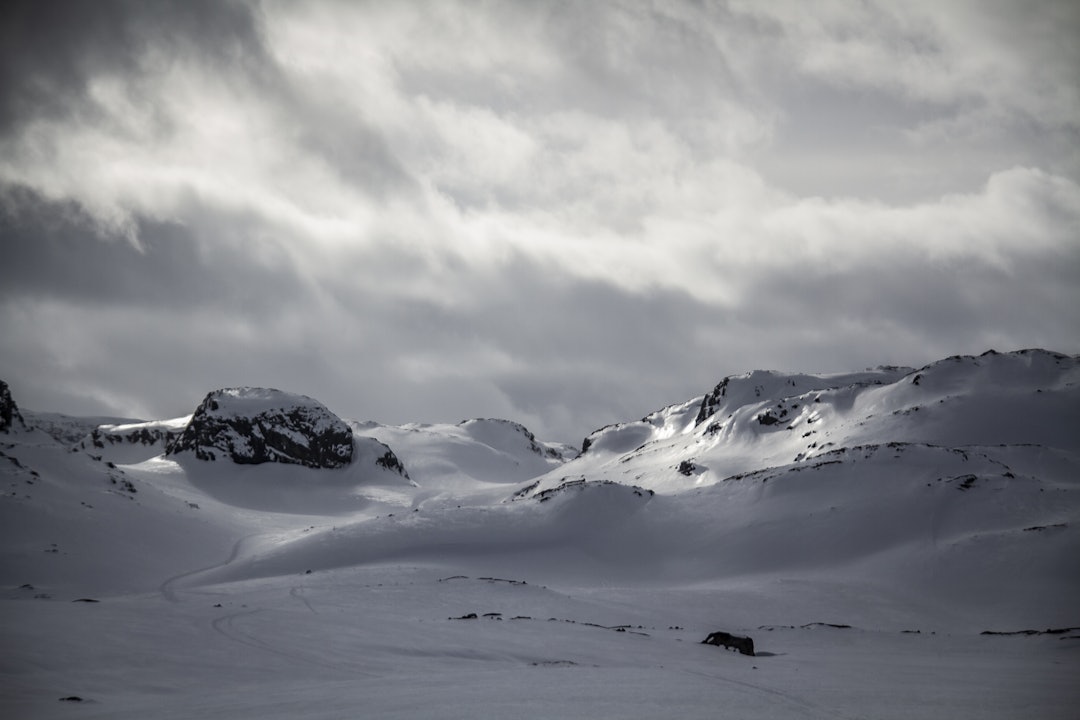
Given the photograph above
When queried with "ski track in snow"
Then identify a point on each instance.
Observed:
(229, 626)
(167, 587)
(800, 705)
(298, 593)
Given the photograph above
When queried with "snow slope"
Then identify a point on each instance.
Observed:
(863, 528)
(473, 461)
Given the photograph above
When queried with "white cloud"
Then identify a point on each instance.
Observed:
(1008, 57)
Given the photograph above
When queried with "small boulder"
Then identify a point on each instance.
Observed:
(744, 645)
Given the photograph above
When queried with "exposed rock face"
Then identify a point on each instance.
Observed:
(132, 442)
(148, 434)
(711, 402)
(9, 411)
(368, 451)
(257, 425)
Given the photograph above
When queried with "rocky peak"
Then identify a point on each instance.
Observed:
(258, 425)
(711, 402)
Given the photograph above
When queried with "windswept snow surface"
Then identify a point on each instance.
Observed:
(863, 529)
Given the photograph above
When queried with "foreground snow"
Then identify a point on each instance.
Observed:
(378, 642)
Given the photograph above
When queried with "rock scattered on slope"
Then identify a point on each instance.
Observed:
(251, 426)
(134, 442)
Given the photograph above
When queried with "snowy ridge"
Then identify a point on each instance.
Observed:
(508, 434)
(765, 419)
(734, 392)
(69, 429)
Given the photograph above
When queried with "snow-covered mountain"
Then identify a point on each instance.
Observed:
(766, 419)
(299, 564)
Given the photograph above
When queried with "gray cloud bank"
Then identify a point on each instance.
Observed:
(566, 214)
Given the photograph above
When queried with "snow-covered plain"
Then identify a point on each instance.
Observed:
(863, 529)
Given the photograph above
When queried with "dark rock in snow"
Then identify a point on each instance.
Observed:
(1047, 631)
(147, 434)
(9, 411)
(711, 402)
(744, 645)
(391, 462)
(258, 425)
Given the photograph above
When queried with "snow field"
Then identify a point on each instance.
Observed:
(918, 507)
(378, 641)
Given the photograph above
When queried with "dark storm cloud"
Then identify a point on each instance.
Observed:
(903, 310)
(50, 52)
(54, 250)
(573, 352)
(565, 355)
(530, 344)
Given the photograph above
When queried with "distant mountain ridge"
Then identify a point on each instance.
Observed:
(766, 418)
(805, 415)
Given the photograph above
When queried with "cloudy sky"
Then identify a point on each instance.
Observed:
(564, 213)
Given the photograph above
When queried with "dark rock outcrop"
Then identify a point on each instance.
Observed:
(147, 434)
(390, 461)
(711, 402)
(10, 418)
(258, 425)
(767, 418)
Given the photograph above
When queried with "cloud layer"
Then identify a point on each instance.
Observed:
(566, 214)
